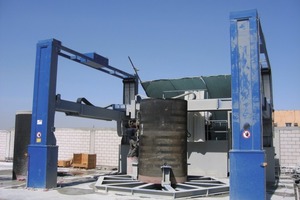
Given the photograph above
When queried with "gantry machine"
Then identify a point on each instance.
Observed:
(252, 107)
(43, 151)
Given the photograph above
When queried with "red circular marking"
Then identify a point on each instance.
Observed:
(246, 134)
(39, 134)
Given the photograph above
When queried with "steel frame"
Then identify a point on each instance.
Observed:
(196, 186)
(252, 105)
(222, 104)
(43, 151)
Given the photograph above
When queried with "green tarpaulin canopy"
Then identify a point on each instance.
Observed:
(216, 86)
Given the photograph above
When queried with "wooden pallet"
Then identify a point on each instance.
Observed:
(64, 163)
(86, 161)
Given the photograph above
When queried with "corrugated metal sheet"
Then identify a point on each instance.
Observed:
(216, 86)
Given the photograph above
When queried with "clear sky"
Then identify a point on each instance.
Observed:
(165, 39)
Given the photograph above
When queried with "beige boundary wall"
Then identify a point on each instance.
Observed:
(7, 144)
(287, 146)
(103, 142)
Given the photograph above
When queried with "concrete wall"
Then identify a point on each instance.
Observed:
(7, 144)
(3, 146)
(205, 157)
(287, 146)
(103, 142)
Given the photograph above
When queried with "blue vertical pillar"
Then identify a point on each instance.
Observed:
(247, 158)
(42, 151)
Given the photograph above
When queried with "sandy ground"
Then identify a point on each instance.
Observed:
(80, 184)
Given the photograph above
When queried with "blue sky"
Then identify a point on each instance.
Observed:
(165, 39)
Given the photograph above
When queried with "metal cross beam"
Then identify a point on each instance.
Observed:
(93, 60)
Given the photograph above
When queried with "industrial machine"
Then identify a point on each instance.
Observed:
(181, 133)
(43, 152)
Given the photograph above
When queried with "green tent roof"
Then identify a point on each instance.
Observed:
(216, 86)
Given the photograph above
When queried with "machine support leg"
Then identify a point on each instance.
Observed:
(247, 175)
(247, 157)
(42, 167)
(42, 151)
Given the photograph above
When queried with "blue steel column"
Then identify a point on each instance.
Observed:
(42, 151)
(247, 172)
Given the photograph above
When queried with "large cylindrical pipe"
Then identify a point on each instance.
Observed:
(163, 139)
(22, 140)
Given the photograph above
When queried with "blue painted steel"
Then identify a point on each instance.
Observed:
(246, 86)
(42, 151)
(247, 176)
(42, 170)
(42, 166)
(95, 61)
(98, 60)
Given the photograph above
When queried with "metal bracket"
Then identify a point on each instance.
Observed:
(166, 175)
